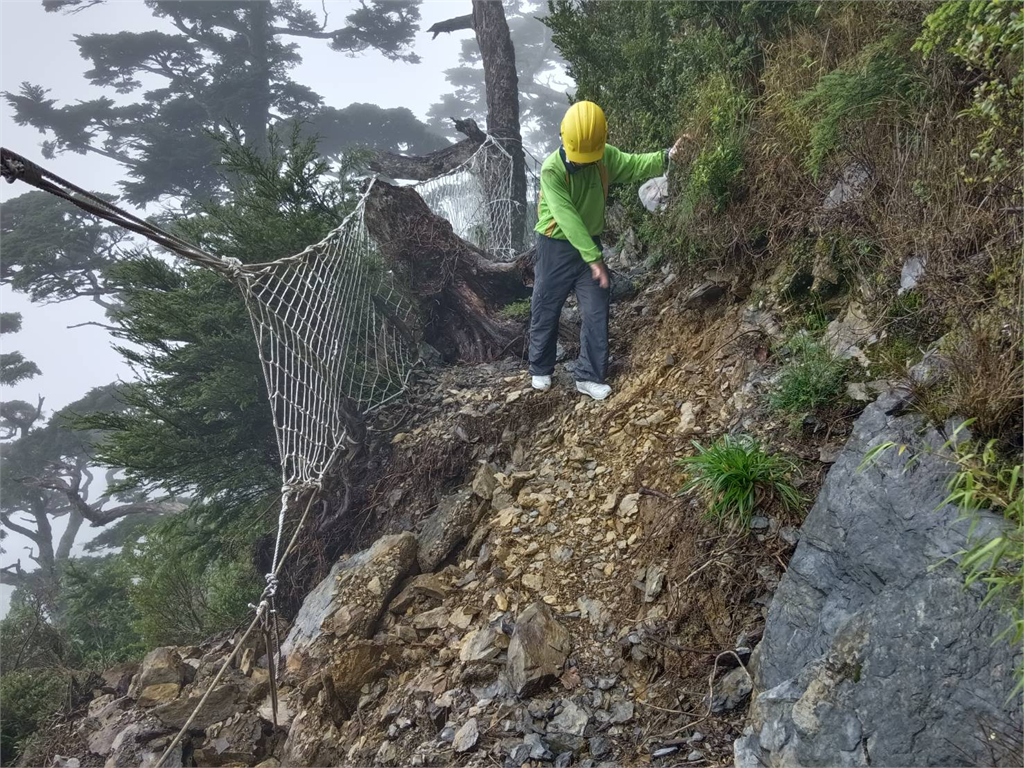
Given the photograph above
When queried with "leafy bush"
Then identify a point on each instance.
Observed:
(29, 697)
(881, 74)
(188, 581)
(517, 310)
(987, 36)
(735, 475)
(720, 115)
(812, 378)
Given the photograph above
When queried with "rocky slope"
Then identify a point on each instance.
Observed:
(561, 606)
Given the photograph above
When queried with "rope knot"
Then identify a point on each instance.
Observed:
(11, 167)
(232, 266)
(271, 589)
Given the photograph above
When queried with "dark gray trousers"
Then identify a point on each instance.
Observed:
(559, 270)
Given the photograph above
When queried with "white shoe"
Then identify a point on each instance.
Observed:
(541, 383)
(595, 390)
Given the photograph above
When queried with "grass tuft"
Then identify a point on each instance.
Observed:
(517, 310)
(735, 475)
(812, 378)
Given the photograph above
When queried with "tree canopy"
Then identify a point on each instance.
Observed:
(227, 63)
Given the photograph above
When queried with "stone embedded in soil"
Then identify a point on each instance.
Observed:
(629, 504)
(730, 691)
(466, 737)
(454, 521)
(351, 599)
(654, 582)
(484, 482)
(538, 650)
(479, 645)
(572, 719)
(622, 712)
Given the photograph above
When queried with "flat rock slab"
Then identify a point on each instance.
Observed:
(874, 652)
(351, 599)
(222, 703)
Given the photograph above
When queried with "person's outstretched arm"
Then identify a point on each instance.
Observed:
(624, 167)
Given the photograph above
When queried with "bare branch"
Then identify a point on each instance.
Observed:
(435, 163)
(452, 25)
(98, 325)
(5, 520)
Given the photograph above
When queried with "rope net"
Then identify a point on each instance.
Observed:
(329, 327)
(331, 322)
(476, 197)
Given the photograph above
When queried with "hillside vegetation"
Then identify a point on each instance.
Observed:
(854, 177)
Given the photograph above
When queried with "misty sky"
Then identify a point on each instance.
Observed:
(38, 47)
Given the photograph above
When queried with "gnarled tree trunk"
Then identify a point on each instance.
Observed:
(502, 84)
(459, 288)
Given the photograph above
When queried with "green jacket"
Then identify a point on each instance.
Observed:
(571, 205)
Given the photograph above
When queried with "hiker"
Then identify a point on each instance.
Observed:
(574, 182)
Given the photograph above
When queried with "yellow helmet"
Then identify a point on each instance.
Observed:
(584, 132)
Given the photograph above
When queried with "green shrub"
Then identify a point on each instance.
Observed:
(987, 36)
(29, 697)
(880, 75)
(188, 582)
(517, 310)
(812, 378)
(99, 619)
(720, 115)
(735, 475)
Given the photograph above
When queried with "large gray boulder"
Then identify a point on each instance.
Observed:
(874, 652)
(352, 597)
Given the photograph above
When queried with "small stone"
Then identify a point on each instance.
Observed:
(485, 482)
(654, 582)
(629, 504)
(758, 523)
(572, 719)
(828, 454)
(607, 683)
(858, 391)
(789, 534)
(622, 712)
(465, 738)
(695, 738)
(534, 581)
(695, 756)
(501, 601)
(479, 645)
(561, 553)
(664, 751)
(731, 691)
(608, 505)
(461, 618)
(600, 746)
(670, 360)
